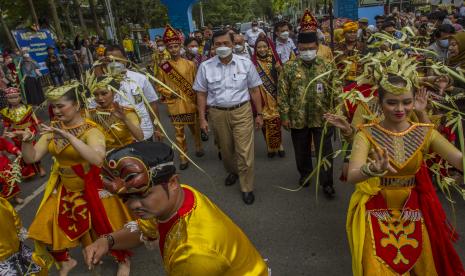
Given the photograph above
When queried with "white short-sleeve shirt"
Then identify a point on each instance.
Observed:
(132, 87)
(251, 36)
(284, 50)
(226, 85)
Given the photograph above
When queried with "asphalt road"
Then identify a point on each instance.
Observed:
(298, 232)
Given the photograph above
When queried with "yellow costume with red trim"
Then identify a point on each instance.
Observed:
(117, 135)
(63, 219)
(388, 225)
(21, 118)
(116, 132)
(201, 240)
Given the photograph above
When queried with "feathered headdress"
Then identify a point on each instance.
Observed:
(377, 67)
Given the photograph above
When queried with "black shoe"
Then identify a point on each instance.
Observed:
(302, 181)
(219, 155)
(329, 191)
(199, 153)
(231, 179)
(183, 166)
(248, 197)
(204, 136)
(271, 154)
(281, 153)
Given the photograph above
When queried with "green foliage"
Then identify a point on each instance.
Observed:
(229, 12)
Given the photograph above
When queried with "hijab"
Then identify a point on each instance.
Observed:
(459, 59)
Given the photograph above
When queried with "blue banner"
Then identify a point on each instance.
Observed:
(346, 8)
(37, 43)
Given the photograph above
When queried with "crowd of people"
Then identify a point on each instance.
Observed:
(395, 92)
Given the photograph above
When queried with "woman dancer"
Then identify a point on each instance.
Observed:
(71, 210)
(396, 224)
(120, 125)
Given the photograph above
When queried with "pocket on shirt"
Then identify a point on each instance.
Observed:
(214, 81)
(239, 77)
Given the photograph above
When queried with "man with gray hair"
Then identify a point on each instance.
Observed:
(242, 48)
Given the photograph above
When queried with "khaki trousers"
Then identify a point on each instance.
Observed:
(181, 138)
(235, 134)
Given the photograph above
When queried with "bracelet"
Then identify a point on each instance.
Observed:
(110, 240)
(366, 171)
(28, 140)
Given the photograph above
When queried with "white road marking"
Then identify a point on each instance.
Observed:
(30, 197)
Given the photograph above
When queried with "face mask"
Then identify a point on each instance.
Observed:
(254, 28)
(308, 55)
(161, 48)
(284, 35)
(182, 51)
(238, 49)
(194, 50)
(116, 67)
(223, 52)
(443, 43)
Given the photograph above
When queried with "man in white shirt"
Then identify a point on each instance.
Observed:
(135, 87)
(285, 47)
(241, 48)
(251, 35)
(226, 83)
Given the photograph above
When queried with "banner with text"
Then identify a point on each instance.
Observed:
(37, 43)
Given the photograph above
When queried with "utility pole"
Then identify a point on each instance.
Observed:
(202, 23)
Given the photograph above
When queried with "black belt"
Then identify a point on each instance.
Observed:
(230, 107)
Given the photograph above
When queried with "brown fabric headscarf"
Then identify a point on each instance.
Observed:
(459, 59)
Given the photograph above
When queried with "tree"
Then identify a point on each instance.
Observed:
(56, 19)
(6, 29)
(33, 12)
(95, 18)
(64, 5)
(77, 6)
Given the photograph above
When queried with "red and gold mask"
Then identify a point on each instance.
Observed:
(133, 169)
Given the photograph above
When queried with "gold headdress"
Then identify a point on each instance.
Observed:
(56, 93)
(377, 68)
(107, 81)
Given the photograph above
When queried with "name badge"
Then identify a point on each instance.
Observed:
(138, 99)
(319, 88)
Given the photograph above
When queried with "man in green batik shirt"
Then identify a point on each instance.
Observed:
(302, 106)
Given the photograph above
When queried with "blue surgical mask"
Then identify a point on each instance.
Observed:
(443, 43)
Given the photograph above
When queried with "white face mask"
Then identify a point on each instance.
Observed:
(238, 49)
(254, 28)
(194, 50)
(284, 35)
(223, 51)
(182, 51)
(116, 67)
(308, 55)
(161, 48)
